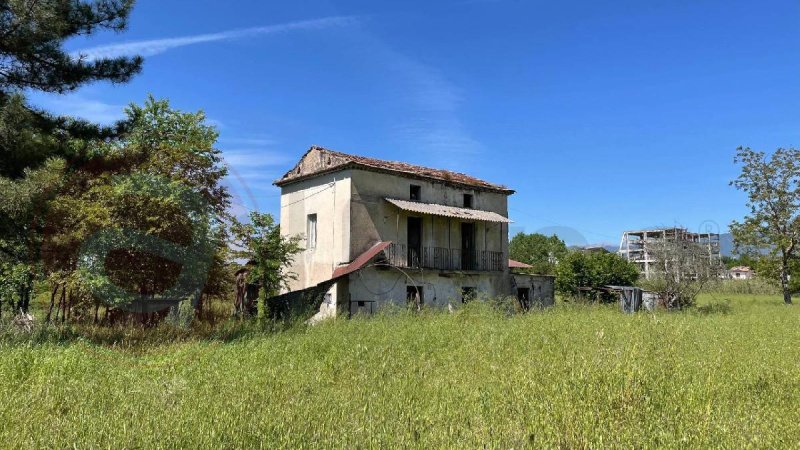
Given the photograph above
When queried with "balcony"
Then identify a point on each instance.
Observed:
(441, 258)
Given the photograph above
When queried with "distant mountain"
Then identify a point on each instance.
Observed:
(726, 244)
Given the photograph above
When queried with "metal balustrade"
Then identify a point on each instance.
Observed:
(442, 258)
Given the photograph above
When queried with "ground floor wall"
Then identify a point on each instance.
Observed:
(537, 290)
(371, 289)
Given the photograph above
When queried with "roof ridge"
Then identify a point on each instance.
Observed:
(416, 170)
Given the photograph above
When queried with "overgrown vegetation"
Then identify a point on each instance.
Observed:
(772, 186)
(540, 252)
(593, 270)
(577, 376)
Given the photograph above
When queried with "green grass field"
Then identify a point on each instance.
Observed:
(570, 377)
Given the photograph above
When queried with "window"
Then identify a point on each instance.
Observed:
(415, 192)
(467, 200)
(467, 294)
(311, 231)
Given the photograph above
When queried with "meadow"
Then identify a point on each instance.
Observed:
(575, 376)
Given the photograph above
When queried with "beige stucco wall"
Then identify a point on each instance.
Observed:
(328, 197)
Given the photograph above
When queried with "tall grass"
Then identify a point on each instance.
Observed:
(753, 286)
(575, 376)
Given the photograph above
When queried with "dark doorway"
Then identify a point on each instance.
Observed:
(414, 241)
(468, 255)
(414, 296)
(468, 294)
(524, 296)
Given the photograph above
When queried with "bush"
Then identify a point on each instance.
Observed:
(594, 270)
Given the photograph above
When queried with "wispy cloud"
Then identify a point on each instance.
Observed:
(435, 125)
(156, 46)
(77, 105)
(252, 168)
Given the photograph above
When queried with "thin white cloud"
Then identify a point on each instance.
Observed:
(248, 159)
(435, 126)
(156, 46)
(77, 105)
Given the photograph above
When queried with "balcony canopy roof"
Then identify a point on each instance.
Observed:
(448, 211)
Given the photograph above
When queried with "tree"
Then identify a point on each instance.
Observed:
(772, 186)
(32, 33)
(260, 241)
(146, 215)
(537, 250)
(684, 270)
(593, 270)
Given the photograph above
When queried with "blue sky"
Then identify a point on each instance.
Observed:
(603, 117)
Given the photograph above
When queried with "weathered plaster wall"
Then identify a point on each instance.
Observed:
(375, 219)
(542, 287)
(384, 286)
(328, 197)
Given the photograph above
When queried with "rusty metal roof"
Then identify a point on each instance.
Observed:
(448, 211)
(319, 160)
(518, 265)
(362, 259)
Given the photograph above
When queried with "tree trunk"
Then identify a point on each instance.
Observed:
(52, 303)
(62, 305)
(787, 295)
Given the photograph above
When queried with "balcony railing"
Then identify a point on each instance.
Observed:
(442, 258)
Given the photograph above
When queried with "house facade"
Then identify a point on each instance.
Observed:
(740, 273)
(390, 232)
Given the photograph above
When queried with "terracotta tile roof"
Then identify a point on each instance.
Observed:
(331, 160)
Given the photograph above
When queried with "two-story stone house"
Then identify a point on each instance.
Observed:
(392, 232)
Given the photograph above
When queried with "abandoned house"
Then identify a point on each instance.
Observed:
(383, 232)
(641, 247)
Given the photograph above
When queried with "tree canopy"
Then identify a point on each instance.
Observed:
(772, 185)
(32, 34)
(540, 251)
(581, 269)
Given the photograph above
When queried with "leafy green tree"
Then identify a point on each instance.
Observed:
(540, 251)
(594, 270)
(32, 34)
(32, 58)
(151, 204)
(772, 186)
(260, 241)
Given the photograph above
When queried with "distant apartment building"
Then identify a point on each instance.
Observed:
(641, 247)
(389, 232)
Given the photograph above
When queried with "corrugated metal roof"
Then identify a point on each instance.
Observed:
(448, 211)
(362, 259)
